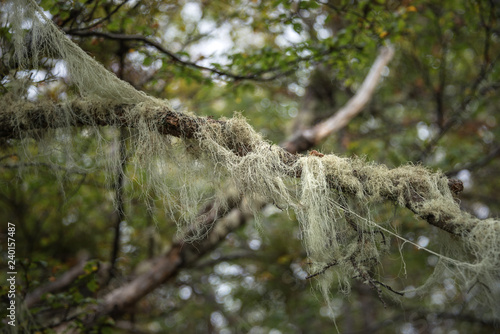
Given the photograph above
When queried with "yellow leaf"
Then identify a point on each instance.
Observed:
(383, 34)
(284, 259)
(411, 9)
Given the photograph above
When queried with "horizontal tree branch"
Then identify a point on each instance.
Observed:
(43, 115)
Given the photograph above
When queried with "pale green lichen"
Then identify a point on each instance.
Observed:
(334, 199)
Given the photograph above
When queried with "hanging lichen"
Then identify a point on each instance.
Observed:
(333, 197)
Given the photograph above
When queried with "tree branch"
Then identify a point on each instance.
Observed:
(256, 76)
(343, 116)
(59, 284)
(168, 122)
(43, 116)
(481, 162)
(180, 255)
(166, 266)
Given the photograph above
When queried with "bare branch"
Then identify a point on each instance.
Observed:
(358, 102)
(354, 106)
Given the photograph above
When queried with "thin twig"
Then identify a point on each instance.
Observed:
(388, 287)
(325, 268)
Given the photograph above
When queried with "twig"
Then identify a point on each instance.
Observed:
(388, 287)
(325, 268)
(107, 17)
(483, 161)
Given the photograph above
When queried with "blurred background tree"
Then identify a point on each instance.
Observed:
(286, 65)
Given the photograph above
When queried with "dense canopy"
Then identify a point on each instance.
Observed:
(362, 160)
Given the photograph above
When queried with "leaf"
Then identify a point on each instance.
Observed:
(54, 10)
(297, 27)
(147, 61)
(91, 267)
(92, 286)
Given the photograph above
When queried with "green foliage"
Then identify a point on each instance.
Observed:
(444, 71)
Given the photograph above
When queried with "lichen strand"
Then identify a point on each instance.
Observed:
(335, 198)
(254, 165)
